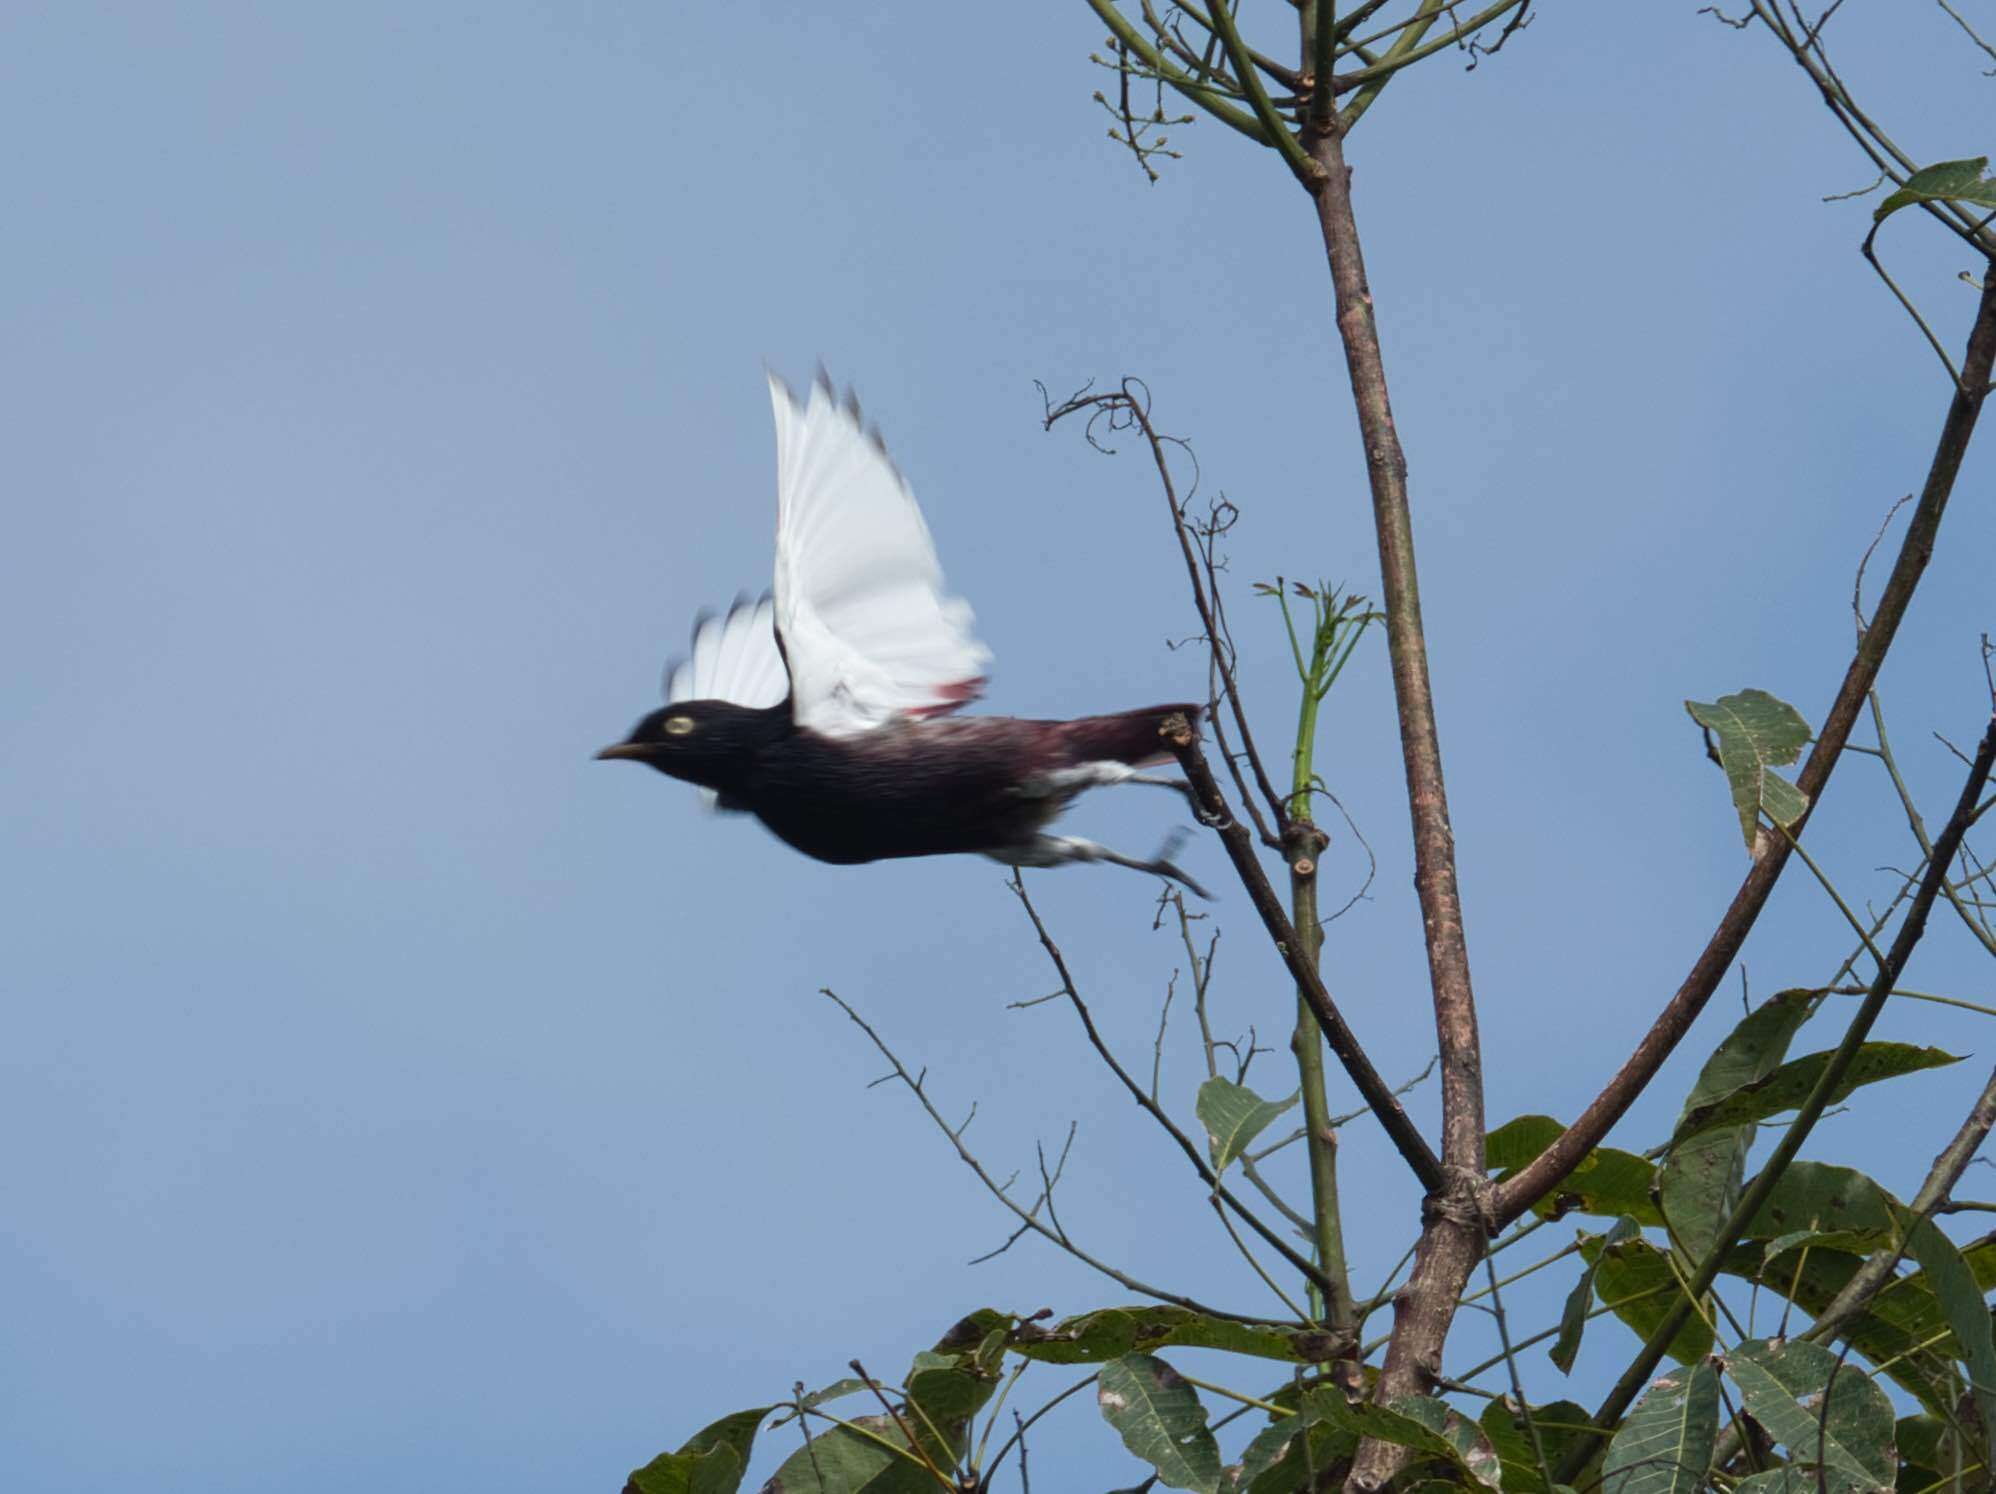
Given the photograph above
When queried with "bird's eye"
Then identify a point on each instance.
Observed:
(678, 726)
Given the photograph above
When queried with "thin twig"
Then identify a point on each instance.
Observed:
(1030, 1220)
(1150, 1107)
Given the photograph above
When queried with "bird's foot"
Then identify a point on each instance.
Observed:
(1180, 786)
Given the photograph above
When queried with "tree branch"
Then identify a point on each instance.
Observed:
(1378, 1096)
(1455, 1227)
(1933, 1196)
(1911, 929)
(1770, 854)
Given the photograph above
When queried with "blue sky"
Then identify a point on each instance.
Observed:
(395, 1097)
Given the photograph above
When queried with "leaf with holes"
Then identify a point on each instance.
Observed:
(1826, 1412)
(1756, 733)
(1233, 1116)
(1945, 181)
(1160, 1420)
(1665, 1445)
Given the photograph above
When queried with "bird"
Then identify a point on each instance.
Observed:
(826, 708)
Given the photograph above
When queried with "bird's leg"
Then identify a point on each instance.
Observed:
(1058, 850)
(1180, 786)
(1065, 783)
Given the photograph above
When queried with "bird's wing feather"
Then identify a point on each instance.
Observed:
(734, 657)
(865, 626)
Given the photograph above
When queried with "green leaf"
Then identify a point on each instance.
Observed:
(1699, 1182)
(1573, 1318)
(1160, 1420)
(1930, 1449)
(1665, 1446)
(1558, 1424)
(1755, 1046)
(1788, 1086)
(1902, 1328)
(1699, 1187)
(1787, 1479)
(1233, 1116)
(1466, 1446)
(1606, 1181)
(1945, 181)
(1111, 1332)
(1756, 733)
(1282, 1459)
(1638, 1282)
(1959, 1296)
(1432, 1429)
(942, 1398)
(1846, 1434)
(1519, 1141)
(1820, 1196)
(1795, 1239)
(712, 1461)
(868, 1455)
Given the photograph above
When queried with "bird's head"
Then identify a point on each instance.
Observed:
(709, 742)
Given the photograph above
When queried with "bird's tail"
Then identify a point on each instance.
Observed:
(1132, 737)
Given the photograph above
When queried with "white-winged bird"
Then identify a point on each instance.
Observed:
(823, 709)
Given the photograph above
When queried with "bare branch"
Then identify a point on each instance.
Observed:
(1155, 1111)
(1129, 408)
(1029, 1219)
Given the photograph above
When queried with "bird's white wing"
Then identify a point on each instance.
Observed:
(734, 658)
(866, 629)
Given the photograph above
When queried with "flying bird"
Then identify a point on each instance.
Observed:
(824, 709)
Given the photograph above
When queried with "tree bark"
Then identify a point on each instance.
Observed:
(1454, 1225)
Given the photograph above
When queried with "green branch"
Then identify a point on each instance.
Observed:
(1174, 77)
(1308, 172)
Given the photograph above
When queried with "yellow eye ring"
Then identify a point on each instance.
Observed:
(678, 726)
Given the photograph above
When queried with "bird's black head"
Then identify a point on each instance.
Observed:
(713, 743)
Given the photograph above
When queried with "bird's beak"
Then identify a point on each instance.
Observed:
(636, 751)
